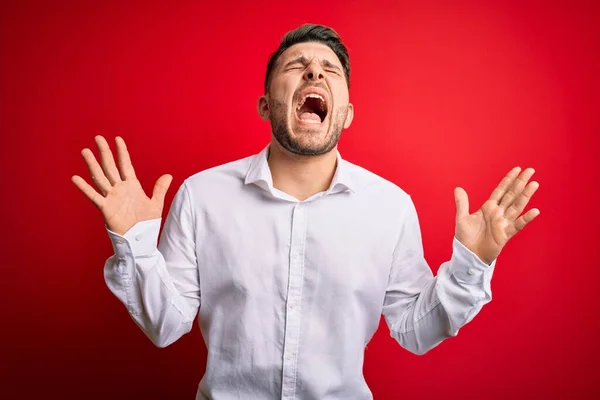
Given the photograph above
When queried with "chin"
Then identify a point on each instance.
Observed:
(308, 142)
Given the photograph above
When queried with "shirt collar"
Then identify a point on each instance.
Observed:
(259, 173)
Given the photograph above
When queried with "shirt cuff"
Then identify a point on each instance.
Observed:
(465, 265)
(140, 240)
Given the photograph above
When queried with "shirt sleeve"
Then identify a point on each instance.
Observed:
(158, 283)
(422, 310)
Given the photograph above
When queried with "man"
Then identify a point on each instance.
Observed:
(290, 256)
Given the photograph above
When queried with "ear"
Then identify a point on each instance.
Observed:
(263, 107)
(349, 116)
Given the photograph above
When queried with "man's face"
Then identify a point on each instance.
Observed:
(308, 101)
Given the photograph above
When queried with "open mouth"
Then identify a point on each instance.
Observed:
(312, 109)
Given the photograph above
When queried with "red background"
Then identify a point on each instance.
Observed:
(445, 95)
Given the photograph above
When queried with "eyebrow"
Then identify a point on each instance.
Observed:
(328, 64)
(302, 60)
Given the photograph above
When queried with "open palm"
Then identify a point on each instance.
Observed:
(486, 231)
(120, 196)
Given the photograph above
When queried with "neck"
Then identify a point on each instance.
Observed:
(301, 176)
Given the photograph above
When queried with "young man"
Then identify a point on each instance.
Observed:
(290, 256)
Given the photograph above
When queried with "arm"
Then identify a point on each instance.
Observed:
(158, 285)
(422, 310)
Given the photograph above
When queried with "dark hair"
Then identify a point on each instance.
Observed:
(311, 33)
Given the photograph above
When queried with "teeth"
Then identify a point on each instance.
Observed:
(310, 121)
(314, 96)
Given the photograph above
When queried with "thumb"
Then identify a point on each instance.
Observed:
(161, 186)
(462, 202)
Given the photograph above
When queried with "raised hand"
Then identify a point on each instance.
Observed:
(120, 196)
(486, 231)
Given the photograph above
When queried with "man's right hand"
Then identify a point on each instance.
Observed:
(120, 196)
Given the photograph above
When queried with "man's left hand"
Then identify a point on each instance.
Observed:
(486, 231)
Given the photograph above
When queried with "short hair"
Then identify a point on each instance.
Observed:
(311, 33)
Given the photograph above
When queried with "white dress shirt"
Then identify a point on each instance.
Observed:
(288, 293)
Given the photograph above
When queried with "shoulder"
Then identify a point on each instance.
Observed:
(219, 179)
(375, 186)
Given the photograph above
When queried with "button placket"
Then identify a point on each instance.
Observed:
(293, 301)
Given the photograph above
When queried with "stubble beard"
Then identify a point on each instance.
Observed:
(281, 131)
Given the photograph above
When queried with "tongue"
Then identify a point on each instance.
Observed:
(309, 116)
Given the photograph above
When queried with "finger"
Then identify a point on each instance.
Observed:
(108, 162)
(521, 202)
(96, 172)
(516, 188)
(160, 187)
(522, 222)
(125, 166)
(88, 190)
(462, 202)
(504, 185)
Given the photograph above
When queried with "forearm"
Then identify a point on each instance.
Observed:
(446, 303)
(137, 275)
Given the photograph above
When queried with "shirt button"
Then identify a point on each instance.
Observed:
(138, 238)
(470, 271)
(289, 357)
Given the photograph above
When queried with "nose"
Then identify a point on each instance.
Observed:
(313, 72)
